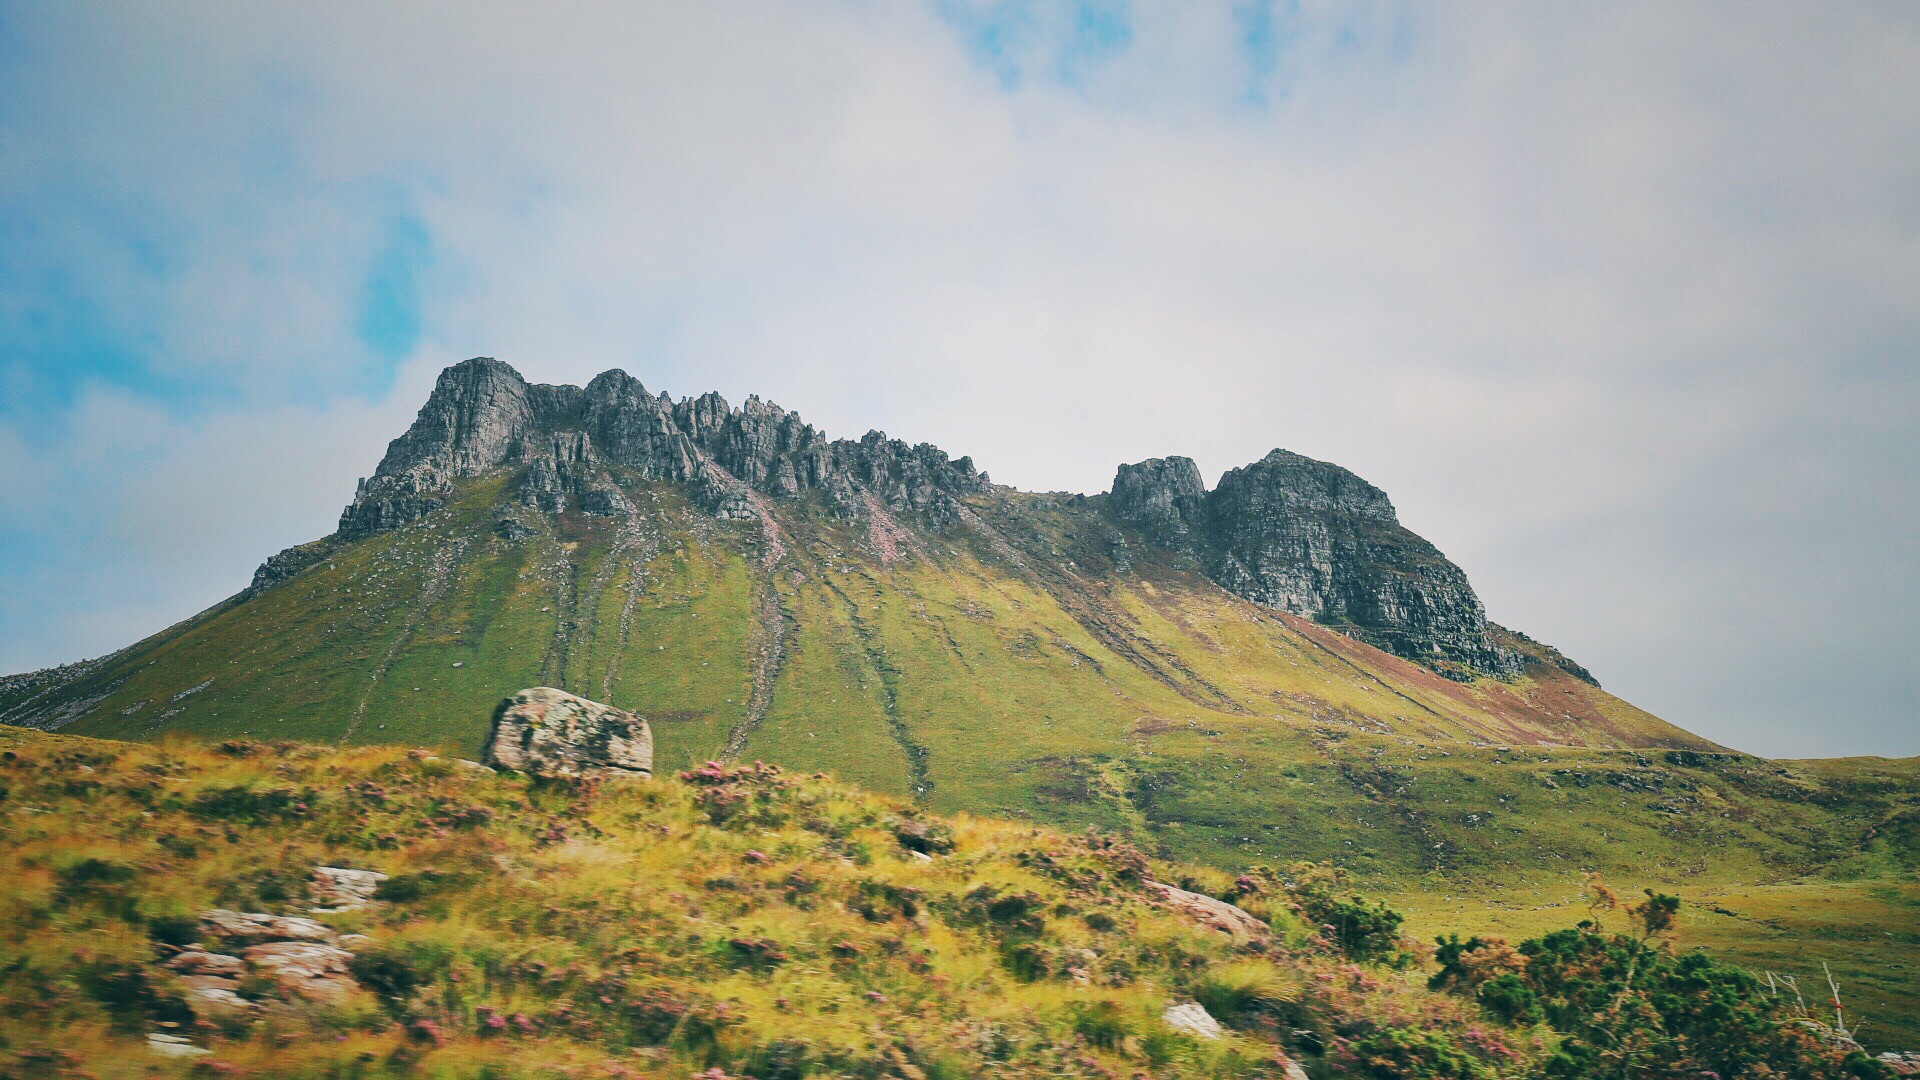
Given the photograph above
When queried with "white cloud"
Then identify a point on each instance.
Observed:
(1617, 302)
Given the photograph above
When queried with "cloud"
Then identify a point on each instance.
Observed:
(1617, 303)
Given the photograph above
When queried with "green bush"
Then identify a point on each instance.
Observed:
(1508, 999)
(1360, 930)
(1103, 1023)
(250, 805)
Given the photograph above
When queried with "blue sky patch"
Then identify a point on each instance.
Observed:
(1022, 40)
(390, 305)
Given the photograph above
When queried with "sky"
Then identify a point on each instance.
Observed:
(1619, 302)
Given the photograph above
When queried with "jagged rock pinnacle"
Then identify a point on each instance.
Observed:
(1287, 532)
(483, 416)
(1313, 539)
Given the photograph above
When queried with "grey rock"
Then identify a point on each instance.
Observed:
(1313, 539)
(1210, 912)
(1166, 499)
(255, 926)
(339, 889)
(512, 530)
(288, 563)
(564, 441)
(1192, 1018)
(1287, 532)
(546, 732)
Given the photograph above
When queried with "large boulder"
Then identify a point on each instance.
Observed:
(1219, 915)
(546, 732)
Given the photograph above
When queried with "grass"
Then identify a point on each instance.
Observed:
(749, 921)
(1011, 669)
(635, 929)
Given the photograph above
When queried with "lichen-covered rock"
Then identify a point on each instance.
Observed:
(304, 969)
(547, 732)
(1208, 911)
(339, 889)
(248, 926)
(216, 993)
(302, 958)
(1900, 1063)
(174, 1046)
(201, 962)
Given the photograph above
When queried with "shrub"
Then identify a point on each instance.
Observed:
(390, 974)
(93, 876)
(1011, 914)
(1103, 1023)
(249, 805)
(747, 795)
(421, 885)
(1625, 1007)
(1508, 999)
(1360, 931)
(926, 837)
(1250, 996)
(1406, 1054)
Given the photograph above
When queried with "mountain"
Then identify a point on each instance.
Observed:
(1270, 670)
(868, 606)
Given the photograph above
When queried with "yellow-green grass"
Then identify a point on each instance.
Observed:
(1008, 668)
(636, 926)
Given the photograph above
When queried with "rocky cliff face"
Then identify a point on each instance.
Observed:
(1287, 532)
(1311, 538)
(562, 441)
(1166, 499)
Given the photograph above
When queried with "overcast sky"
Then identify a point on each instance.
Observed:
(1620, 303)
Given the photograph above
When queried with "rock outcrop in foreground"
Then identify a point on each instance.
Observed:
(551, 733)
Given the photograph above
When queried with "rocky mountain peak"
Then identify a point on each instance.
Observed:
(566, 442)
(1313, 539)
(1300, 483)
(1287, 531)
(1165, 498)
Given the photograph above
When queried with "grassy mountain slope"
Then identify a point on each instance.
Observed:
(750, 922)
(1009, 664)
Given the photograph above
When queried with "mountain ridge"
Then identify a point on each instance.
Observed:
(1285, 546)
(1287, 532)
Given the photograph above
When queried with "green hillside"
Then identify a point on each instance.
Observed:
(1270, 672)
(967, 673)
(749, 923)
